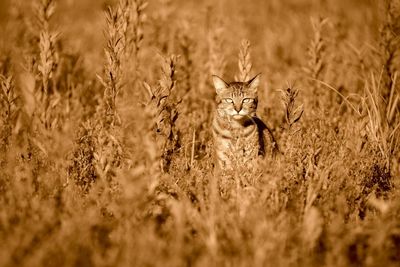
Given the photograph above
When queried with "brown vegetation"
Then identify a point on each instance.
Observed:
(105, 144)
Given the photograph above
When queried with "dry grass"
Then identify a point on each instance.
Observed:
(105, 145)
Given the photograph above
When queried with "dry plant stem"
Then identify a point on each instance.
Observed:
(132, 34)
(7, 97)
(192, 152)
(124, 35)
(109, 151)
(316, 49)
(138, 20)
(187, 47)
(316, 57)
(98, 151)
(293, 113)
(390, 44)
(381, 128)
(244, 62)
(8, 111)
(165, 102)
(382, 122)
(216, 61)
(123, 26)
(114, 50)
(47, 61)
(341, 95)
(393, 100)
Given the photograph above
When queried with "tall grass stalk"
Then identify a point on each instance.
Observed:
(382, 126)
(215, 41)
(47, 60)
(8, 111)
(163, 103)
(316, 59)
(114, 50)
(389, 44)
(244, 62)
(132, 35)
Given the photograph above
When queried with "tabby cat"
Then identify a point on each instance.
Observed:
(238, 132)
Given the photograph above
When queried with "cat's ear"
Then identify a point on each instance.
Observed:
(219, 84)
(253, 83)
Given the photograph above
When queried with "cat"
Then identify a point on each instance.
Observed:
(238, 133)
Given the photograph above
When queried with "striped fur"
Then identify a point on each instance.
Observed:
(237, 132)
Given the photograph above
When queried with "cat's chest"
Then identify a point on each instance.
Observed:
(235, 137)
(238, 148)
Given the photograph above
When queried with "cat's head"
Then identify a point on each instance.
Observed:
(237, 99)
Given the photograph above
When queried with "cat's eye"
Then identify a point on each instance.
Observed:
(228, 100)
(248, 100)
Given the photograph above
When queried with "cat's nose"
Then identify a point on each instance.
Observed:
(238, 107)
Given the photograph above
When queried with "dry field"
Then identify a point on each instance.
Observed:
(106, 155)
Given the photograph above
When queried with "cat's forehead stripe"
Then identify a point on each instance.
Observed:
(237, 89)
